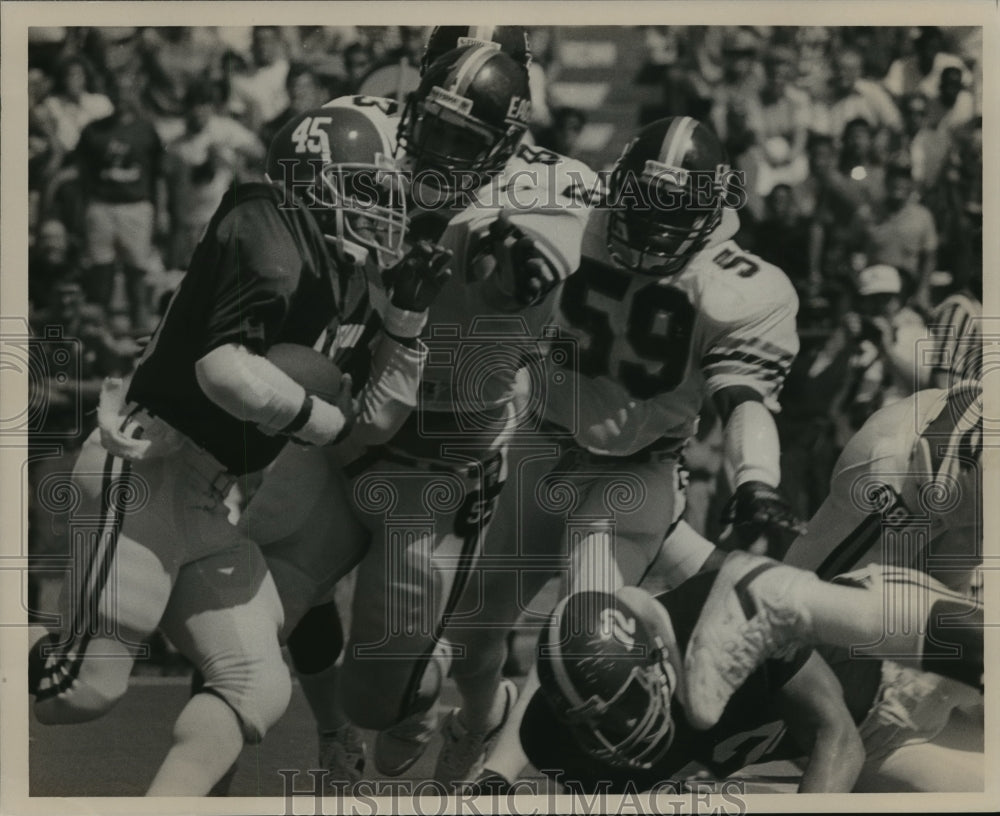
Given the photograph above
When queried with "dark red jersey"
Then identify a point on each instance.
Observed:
(261, 275)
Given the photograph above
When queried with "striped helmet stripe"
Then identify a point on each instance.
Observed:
(484, 33)
(675, 140)
(468, 68)
(556, 657)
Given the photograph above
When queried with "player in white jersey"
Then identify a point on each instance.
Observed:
(906, 491)
(451, 452)
(665, 311)
(905, 500)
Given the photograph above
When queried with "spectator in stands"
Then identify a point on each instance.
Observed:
(957, 207)
(779, 119)
(321, 49)
(397, 72)
(953, 106)
(53, 256)
(45, 153)
(260, 94)
(200, 166)
(921, 71)
(853, 97)
(814, 65)
(883, 338)
(113, 49)
(732, 114)
(175, 58)
(563, 136)
(859, 164)
(73, 104)
(543, 65)
(410, 48)
(305, 91)
(830, 201)
(902, 235)
(357, 65)
(926, 149)
(782, 237)
(118, 161)
(809, 445)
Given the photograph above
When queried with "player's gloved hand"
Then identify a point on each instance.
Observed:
(520, 264)
(416, 280)
(758, 510)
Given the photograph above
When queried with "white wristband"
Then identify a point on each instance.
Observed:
(402, 323)
(325, 423)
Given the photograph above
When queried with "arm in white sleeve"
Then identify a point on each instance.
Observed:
(752, 450)
(253, 389)
(391, 393)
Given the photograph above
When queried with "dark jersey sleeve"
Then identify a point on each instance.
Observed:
(258, 272)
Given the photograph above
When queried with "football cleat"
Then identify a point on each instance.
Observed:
(398, 747)
(342, 756)
(464, 751)
(756, 609)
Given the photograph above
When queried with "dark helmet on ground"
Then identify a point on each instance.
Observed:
(666, 193)
(468, 114)
(512, 40)
(604, 670)
(339, 162)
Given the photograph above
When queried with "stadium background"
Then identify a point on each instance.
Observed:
(821, 120)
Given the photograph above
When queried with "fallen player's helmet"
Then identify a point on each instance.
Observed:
(666, 195)
(603, 667)
(468, 115)
(339, 162)
(511, 40)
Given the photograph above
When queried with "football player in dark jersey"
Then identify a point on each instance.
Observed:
(613, 707)
(203, 410)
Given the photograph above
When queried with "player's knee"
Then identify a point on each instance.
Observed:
(257, 687)
(78, 689)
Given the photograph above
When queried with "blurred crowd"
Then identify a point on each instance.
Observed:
(861, 149)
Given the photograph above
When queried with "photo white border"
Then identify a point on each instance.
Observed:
(17, 16)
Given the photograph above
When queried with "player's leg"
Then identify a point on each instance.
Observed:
(225, 616)
(427, 529)
(757, 607)
(923, 733)
(903, 615)
(521, 553)
(114, 593)
(310, 538)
